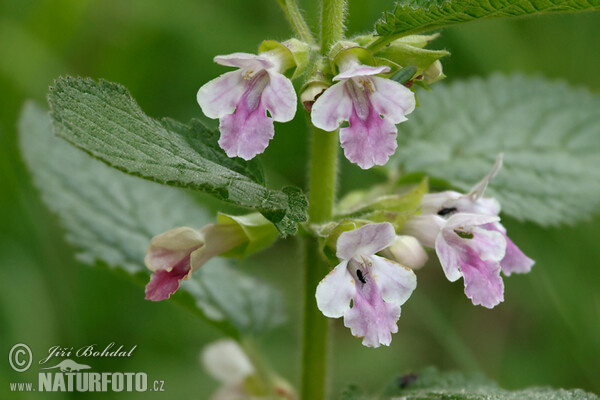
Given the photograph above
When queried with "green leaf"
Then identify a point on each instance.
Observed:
(104, 120)
(549, 134)
(414, 16)
(431, 384)
(110, 218)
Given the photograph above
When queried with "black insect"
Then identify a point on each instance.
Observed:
(361, 277)
(446, 211)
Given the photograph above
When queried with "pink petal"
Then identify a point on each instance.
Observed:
(247, 132)
(220, 96)
(355, 70)
(332, 108)
(158, 258)
(163, 283)
(368, 142)
(365, 241)
(395, 281)
(514, 261)
(280, 97)
(483, 284)
(392, 99)
(489, 245)
(335, 291)
(372, 318)
(245, 61)
(481, 275)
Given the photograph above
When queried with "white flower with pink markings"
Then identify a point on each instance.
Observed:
(372, 105)
(240, 99)
(376, 286)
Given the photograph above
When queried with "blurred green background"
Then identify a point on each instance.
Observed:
(547, 332)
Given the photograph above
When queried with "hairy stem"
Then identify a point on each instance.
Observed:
(332, 23)
(294, 17)
(322, 196)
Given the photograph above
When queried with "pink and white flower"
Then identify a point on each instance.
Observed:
(175, 254)
(240, 99)
(376, 286)
(469, 240)
(372, 106)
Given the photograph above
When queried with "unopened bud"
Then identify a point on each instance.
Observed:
(406, 250)
(434, 72)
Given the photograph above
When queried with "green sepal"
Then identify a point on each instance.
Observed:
(294, 53)
(329, 234)
(396, 208)
(344, 51)
(405, 74)
(259, 231)
(318, 80)
(409, 53)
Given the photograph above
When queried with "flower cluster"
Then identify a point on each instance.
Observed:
(470, 242)
(249, 99)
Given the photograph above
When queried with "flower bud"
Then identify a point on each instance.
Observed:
(406, 250)
(173, 255)
(434, 72)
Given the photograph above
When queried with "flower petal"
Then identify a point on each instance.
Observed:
(246, 132)
(449, 259)
(225, 361)
(163, 283)
(354, 70)
(406, 250)
(332, 108)
(464, 220)
(483, 284)
(432, 203)
(392, 99)
(396, 281)
(372, 318)
(365, 241)
(280, 97)
(170, 247)
(245, 61)
(335, 291)
(489, 245)
(370, 141)
(220, 96)
(514, 261)
(425, 228)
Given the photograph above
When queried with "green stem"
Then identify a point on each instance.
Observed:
(323, 171)
(322, 196)
(294, 17)
(332, 23)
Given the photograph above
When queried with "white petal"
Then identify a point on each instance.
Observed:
(335, 291)
(434, 202)
(225, 361)
(220, 96)
(489, 245)
(366, 240)
(407, 250)
(396, 282)
(449, 259)
(280, 97)
(464, 220)
(392, 99)
(244, 61)
(425, 228)
(355, 70)
(332, 108)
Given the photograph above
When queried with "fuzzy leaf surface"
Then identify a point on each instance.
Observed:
(110, 217)
(105, 121)
(414, 16)
(549, 134)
